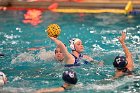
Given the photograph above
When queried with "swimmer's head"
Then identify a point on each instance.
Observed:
(120, 62)
(69, 77)
(1, 55)
(76, 44)
(58, 54)
(3, 79)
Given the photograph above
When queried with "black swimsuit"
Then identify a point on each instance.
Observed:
(77, 61)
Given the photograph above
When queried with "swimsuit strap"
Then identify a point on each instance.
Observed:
(74, 56)
(63, 87)
(80, 55)
(77, 58)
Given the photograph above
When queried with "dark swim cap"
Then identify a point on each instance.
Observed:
(120, 62)
(1, 55)
(70, 77)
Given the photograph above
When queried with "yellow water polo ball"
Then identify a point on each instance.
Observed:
(53, 30)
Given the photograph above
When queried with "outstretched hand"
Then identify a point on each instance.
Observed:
(122, 37)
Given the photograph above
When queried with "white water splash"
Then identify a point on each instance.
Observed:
(109, 85)
(45, 55)
(136, 39)
(19, 29)
(97, 47)
(11, 36)
(17, 78)
(23, 57)
(16, 90)
(31, 57)
(107, 41)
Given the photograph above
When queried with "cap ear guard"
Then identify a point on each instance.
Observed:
(72, 43)
(120, 62)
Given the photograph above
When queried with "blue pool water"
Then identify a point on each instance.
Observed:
(30, 70)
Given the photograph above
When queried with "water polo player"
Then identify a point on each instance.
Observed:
(69, 77)
(3, 79)
(77, 48)
(123, 65)
(52, 30)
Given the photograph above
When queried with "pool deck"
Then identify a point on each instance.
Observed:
(68, 4)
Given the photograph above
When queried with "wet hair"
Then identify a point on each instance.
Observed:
(120, 62)
(58, 47)
(55, 51)
(69, 77)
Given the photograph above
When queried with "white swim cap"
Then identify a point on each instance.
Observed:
(2, 79)
(72, 42)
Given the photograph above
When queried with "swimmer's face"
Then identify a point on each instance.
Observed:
(58, 54)
(79, 46)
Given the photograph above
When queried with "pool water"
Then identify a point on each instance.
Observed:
(30, 70)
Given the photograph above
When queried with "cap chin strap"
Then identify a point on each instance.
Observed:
(72, 46)
(124, 69)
